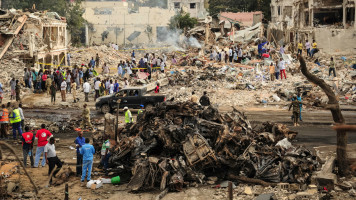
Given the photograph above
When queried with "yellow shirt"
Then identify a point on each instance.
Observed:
(300, 46)
(271, 69)
(314, 45)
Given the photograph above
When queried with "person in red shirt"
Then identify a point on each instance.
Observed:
(157, 88)
(27, 146)
(43, 136)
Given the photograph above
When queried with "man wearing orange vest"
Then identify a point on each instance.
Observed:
(27, 146)
(4, 121)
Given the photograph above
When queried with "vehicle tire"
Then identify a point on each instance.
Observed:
(105, 108)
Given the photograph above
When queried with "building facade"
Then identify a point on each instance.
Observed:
(330, 22)
(196, 8)
(124, 23)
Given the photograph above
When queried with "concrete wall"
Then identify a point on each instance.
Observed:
(336, 41)
(198, 12)
(120, 20)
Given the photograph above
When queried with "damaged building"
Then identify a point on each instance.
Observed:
(330, 22)
(35, 38)
(196, 8)
(124, 23)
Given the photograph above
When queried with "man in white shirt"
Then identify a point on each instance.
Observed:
(230, 55)
(308, 46)
(51, 158)
(97, 88)
(111, 87)
(86, 88)
(282, 68)
(63, 90)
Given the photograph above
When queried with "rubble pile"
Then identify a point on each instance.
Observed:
(179, 143)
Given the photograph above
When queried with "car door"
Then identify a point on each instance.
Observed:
(133, 99)
(122, 96)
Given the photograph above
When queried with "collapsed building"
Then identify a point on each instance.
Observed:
(124, 23)
(33, 37)
(330, 22)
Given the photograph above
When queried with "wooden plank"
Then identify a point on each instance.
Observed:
(9, 41)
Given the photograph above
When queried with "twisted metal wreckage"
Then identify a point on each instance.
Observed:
(174, 144)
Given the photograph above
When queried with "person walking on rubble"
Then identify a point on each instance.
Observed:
(128, 116)
(299, 98)
(97, 88)
(87, 151)
(307, 46)
(86, 89)
(53, 89)
(296, 110)
(194, 98)
(300, 48)
(51, 158)
(282, 68)
(204, 100)
(18, 91)
(74, 90)
(22, 116)
(42, 135)
(272, 71)
(79, 142)
(97, 60)
(86, 117)
(63, 90)
(48, 85)
(13, 86)
(15, 120)
(27, 146)
(314, 49)
(4, 121)
(332, 67)
(1, 93)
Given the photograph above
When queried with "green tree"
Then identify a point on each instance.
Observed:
(73, 12)
(182, 21)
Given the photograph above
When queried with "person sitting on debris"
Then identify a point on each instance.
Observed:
(204, 100)
(128, 116)
(79, 142)
(332, 67)
(88, 152)
(27, 146)
(51, 158)
(42, 135)
(296, 110)
(86, 117)
(105, 151)
(157, 88)
(194, 98)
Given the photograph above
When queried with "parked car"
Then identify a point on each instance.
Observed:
(130, 97)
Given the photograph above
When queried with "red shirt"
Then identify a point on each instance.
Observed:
(28, 138)
(42, 136)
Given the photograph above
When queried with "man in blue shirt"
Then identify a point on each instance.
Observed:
(79, 141)
(87, 151)
(92, 62)
(116, 86)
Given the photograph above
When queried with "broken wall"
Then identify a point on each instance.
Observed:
(335, 41)
(114, 22)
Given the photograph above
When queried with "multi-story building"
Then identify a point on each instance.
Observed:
(330, 22)
(196, 8)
